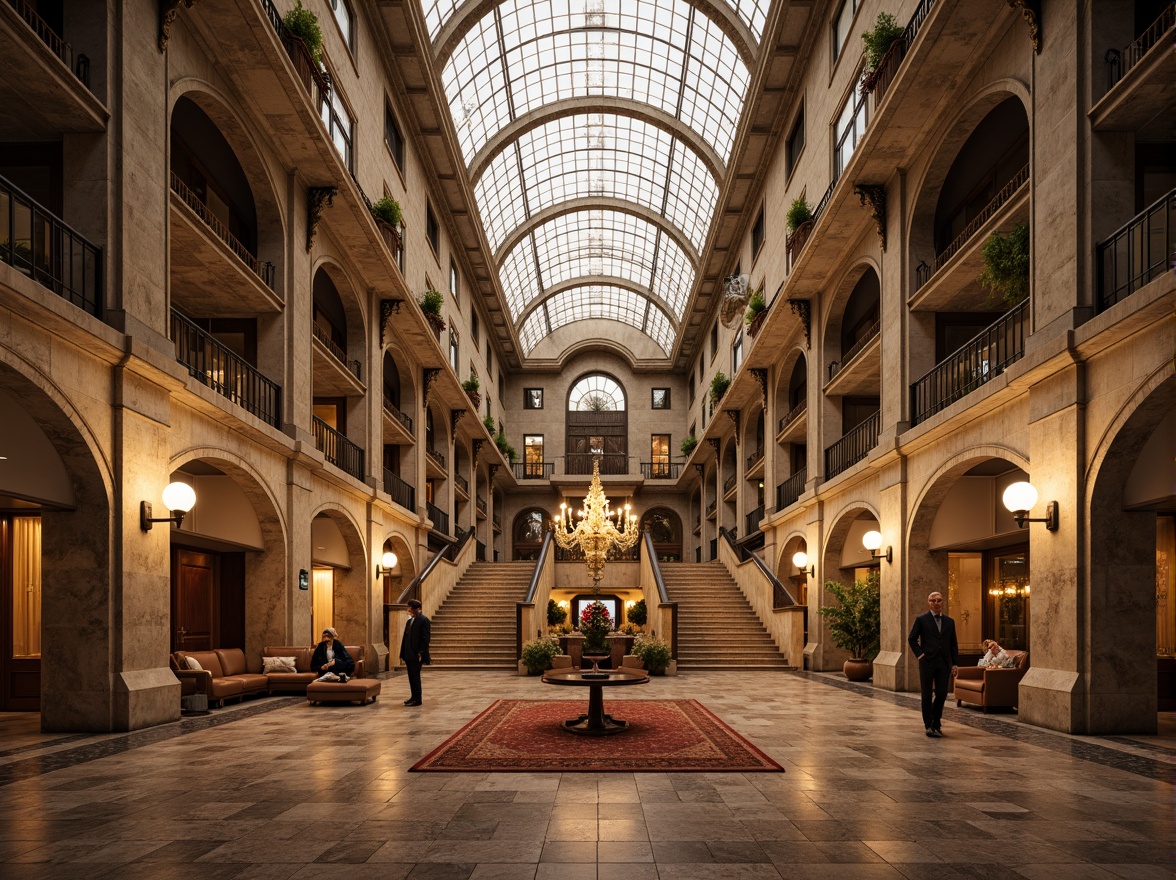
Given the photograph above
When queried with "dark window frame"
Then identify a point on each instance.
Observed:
(433, 231)
(792, 149)
(395, 145)
(527, 400)
(757, 234)
(665, 404)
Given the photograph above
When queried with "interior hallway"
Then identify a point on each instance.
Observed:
(286, 787)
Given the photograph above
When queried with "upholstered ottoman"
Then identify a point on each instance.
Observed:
(355, 690)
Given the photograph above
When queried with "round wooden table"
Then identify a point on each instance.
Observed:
(595, 723)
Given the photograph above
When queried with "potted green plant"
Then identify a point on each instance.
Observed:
(508, 451)
(878, 41)
(1006, 265)
(855, 623)
(538, 654)
(556, 613)
(719, 385)
(757, 310)
(488, 421)
(637, 614)
(799, 220)
(431, 302)
(472, 388)
(388, 216)
(304, 25)
(653, 652)
(688, 445)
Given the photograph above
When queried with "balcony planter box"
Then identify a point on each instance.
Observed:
(757, 321)
(437, 323)
(475, 398)
(390, 234)
(798, 238)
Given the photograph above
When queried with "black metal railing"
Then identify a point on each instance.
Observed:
(661, 470)
(394, 411)
(436, 455)
(853, 447)
(264, 271)
(892, 61)
(755, 458)
(788, 492)
(697, 521)
(80, 64)
(339, 451)
(710, 509)
(728, 484)
(577, 463)
(924, 273)
(480, 503)
(854, 350)
(40, 245)
(792, 415)
(576, 554)
(1119, 63)
(439, 517)
(497, 519)
(753, 520)
(225, 372)
(981, 359)
(462, 483)
(781, 597)
(402, 493)
(533, 470)
(354, 367)
(479, 551)
(316, 82)
(1140, 251)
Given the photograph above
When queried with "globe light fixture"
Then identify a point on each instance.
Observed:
(387, 563)
(598, 529)
(1020, 498)
(801, 561)
(872, 540)
(178, 498)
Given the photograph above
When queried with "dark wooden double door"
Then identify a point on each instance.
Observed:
(599, 436)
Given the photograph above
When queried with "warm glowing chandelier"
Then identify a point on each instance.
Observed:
(599, 529)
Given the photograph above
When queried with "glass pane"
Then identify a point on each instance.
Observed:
(965, 598)
(1008, 594)
(26, 587)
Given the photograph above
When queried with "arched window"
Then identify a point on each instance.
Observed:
(665, 528)
(528, 533)
(596, 393)
(597, 426)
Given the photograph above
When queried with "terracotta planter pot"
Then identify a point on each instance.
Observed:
(858, 670)
(436, 322)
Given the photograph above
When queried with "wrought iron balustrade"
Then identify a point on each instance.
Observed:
(755, 458)
(79, 64)
(710, 508)
(661, 470)
(40, 245)
(402, 492)
(393, 410)
(1140, 251)
(264, 271)
(789, 492)
(436, 455)
(753, 519)
(225, 371)
(439, 517)
(462, 483)
(853, 447)
(892, 61)
(728, 484)
(792, 415)
(314, 80)
(979, 360)
(339, 451)
(353, 367)
(576, 554)
(855, 349)
(577, 463)
(533, 470)
(481, 504)
(1119, 63)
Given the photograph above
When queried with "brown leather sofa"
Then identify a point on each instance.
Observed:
(296, 682)
(989, 687)
(224, 673)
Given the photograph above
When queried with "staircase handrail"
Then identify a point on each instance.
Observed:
(413, 590)
(531, 613)
(776, 609)
(781, 598)
(661, 612)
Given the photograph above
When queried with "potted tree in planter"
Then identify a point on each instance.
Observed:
(799, 220)
(508, 451)
(719, 385)
(688, 445)
(431, 302)
(388, 216)
(556, 614)
(1006, 265)
(538, 654)
(488, 421)
(637, 614)
(878, 42)
(757, 310)
(855, 623)
(303, 25)
(472, 388)
(654, 653)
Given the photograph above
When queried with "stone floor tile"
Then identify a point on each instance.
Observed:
(673, 851)
(622, 829)
(572, 829)
(618, 871)
(631, 851)
(686, 871)
(570, 851)
(901, 851)
(514, 871)
(561, 871)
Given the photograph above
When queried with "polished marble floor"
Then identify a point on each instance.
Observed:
(280, 789)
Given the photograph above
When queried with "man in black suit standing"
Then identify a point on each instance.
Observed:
(933, 639)
(414, 649)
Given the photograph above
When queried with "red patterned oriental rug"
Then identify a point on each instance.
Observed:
(514, 736)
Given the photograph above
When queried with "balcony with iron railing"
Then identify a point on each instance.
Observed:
(661, 470)
(892, 61)
(533, 470)
(580, 463)
(461, 486)
(754, 461)
(711, 508)
(225, 372)
(976, 362)
(402, 492)
(496, 518)
(792, 424)
(76, 63)
(1140, 251)
(789, 491)
(399, 421)
(859, 370)
(853, 447)
(729, 488)
(439, 517)
(338, 450)
(480, 505)
(323, 337)
(697, 523)
(435, 462)
(40, 245)
(754, 518)
(1139, 78)
(316, 82)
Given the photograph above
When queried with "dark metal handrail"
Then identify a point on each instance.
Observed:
(413, 590)
(755, 458)
(1137, 49)
(979, 360)
(781, 598)
(40, 245)
(753, 519)
(314, 80)
(439, 517)
(728, 484)
(1139, 251)
(462, 483)
(853, 447)
(58, 46)
(533, 470)
(892, 62)
(651, 555)
(924, 273)
(403, 493)
(264, 271)
(788, 492)
(661, 470)
(436, 455)
(792, 415)
(393, 410)
(710, 508)
(225, 372)
(480, 503)
(855, 349)
(324, 337)
(577, 463)
(339, 451)
(544, 552)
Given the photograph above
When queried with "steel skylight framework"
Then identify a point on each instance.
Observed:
(596, 135)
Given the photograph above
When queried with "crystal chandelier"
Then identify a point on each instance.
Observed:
(598, 529)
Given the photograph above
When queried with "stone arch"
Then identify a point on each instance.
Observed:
(842, 293)
(526, 533)
(665, 528)
(348, 291)
(352, 586)
(821, 652)
(798, 582)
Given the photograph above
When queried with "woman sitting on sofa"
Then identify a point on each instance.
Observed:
(997, 657)
(331, 659)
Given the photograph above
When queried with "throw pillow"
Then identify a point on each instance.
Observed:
(278, 664)
(193, 664)
(1009, 662)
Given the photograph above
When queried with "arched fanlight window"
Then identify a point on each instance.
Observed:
(596, 393)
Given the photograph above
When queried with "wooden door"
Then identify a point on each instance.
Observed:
(193, 600)
(20, 613)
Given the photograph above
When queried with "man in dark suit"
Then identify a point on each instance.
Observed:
(414, 649)
(933, 639)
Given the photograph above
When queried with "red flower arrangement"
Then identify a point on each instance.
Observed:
(595, 624)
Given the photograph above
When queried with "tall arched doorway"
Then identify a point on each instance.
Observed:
(597, 426)
(527, 534)
(665, 528)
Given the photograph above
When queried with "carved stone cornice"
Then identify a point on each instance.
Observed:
(733, 415)
(714, 444)
(801, 308)
(874, 195)
(168, 10)
(1031, 12)
(455, 416)
(387, 307)
(478, 444)
(318, 198)
(761, 379)
(430, 377)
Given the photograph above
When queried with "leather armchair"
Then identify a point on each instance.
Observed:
(990, 687)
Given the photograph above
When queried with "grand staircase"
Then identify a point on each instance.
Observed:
(717, 628)
(475, 625)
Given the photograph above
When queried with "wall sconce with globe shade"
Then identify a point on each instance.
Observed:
(872, 540)
(386, 564)
(801, 561)
(178, 498)
(1020, 498)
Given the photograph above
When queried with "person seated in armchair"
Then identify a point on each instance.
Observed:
(996, 656)
(331, 659)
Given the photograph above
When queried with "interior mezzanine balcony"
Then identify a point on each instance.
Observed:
(339, 450)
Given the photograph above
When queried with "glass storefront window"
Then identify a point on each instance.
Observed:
(1008, 596)
(26, 587)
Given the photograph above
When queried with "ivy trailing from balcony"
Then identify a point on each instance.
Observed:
(304, 24)
(1006, 265)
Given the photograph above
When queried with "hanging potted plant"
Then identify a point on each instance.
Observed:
(472, 388)
(388, 216)
(431, 302)
(757, 310)
(719, 385)
(799, 219)
(1006, 265)
(855, 623)
(878, 42)
(303, 25)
